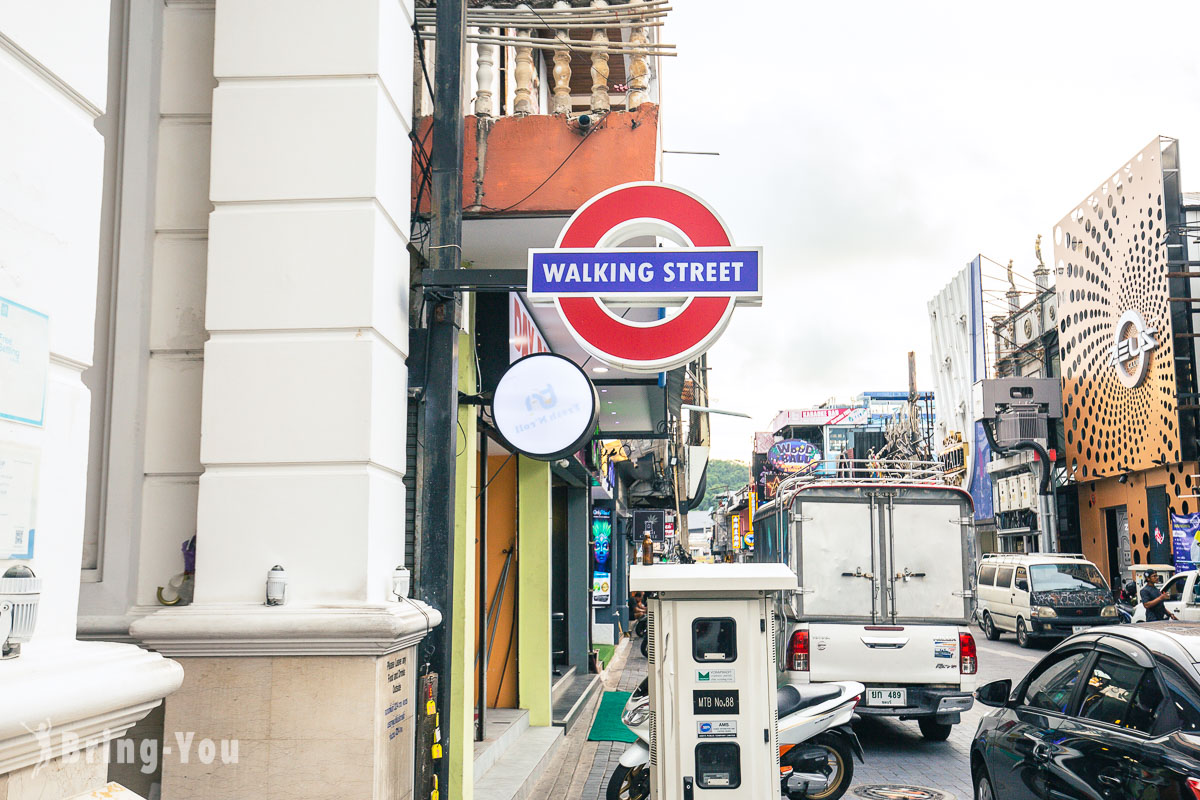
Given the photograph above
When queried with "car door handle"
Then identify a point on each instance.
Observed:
(1109, 780)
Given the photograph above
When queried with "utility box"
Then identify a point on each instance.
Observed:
(712, 675)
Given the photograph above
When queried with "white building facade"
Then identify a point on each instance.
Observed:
(210, 203)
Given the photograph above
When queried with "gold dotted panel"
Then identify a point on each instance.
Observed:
(1111, 256)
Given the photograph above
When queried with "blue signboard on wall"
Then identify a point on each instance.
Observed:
(980, 482)
(1185, 528)
(981, 485)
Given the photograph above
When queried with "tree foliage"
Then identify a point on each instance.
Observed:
(724, 476)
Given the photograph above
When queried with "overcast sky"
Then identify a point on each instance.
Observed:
(873, 148)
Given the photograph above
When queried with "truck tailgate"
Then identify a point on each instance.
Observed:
(882, 654)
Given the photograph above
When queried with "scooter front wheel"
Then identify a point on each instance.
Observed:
(629, 783)
(837, 765)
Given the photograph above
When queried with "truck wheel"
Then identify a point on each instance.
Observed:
(934, 731)
(1023, 638)
(989, 628)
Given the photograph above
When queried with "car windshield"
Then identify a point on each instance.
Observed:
(1066, 578)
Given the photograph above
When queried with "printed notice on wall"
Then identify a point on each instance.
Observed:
(24, 358)
(18, 498)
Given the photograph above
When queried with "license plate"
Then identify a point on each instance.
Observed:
(887, 697)
(1079, 628)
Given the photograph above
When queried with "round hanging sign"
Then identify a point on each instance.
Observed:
(545, 406)
(706, 273)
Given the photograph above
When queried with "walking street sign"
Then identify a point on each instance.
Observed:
(705, 272)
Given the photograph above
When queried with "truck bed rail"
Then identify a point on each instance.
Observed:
(850, 472)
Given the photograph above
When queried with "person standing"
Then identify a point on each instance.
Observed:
(1153, 600)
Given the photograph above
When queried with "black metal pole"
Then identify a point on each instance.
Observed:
(481, 677)
(436, 586)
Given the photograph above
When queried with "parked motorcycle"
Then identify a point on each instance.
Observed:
(817, 746)
(1127, 602)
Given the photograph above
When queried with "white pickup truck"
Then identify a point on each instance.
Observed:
(1183, 598)
(884, 567)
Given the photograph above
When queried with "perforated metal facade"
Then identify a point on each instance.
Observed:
(1120, 387)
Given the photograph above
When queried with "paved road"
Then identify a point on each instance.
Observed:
(896, 753)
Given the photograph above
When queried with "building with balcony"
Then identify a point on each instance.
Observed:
(222, 214)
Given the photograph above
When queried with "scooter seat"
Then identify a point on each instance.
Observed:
(791, 699)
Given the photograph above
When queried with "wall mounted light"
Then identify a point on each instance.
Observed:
(20, 592)
(276, 586)
(401, 582)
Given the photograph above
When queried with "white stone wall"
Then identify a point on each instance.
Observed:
(53, 82)
(176, 333)
(305, 385)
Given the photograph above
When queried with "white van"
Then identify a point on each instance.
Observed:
(1041, 594)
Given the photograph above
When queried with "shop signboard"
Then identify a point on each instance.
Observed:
(1185, 540)
(24, 361)
(601, 589)
(545, 407)
(793, 456)
(601, 538)
(705, 274)
(652, 521)
(524, 338)
(735, 527)
(19, 466)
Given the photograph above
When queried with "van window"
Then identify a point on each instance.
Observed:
(1004, 577)
(1022, 577)
(987, 575)
(1067, 577)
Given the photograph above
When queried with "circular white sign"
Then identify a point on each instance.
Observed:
(1133, 342)
(545, 406)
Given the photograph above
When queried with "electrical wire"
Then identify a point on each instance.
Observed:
(602, 123)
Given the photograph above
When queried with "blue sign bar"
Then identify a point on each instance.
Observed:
(634, 273)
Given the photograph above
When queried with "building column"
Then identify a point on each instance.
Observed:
(533, 589)
(462, 631)
(303, 419)
(579, 563)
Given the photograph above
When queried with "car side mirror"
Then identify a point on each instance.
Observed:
(1022, 584)
(995, 693)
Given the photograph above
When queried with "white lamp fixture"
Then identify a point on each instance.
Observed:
(401, 582)
(276, 586)
(20, 591)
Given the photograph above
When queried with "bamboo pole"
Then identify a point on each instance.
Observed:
(582, 46)
(527, 23)
(623, 8)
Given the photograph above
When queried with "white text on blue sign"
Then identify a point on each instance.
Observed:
(645, 273)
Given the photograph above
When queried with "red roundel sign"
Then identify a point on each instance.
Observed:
(705, 272)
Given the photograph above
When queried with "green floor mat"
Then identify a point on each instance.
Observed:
(607, 726)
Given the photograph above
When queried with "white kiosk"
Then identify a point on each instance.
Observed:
(711, 650)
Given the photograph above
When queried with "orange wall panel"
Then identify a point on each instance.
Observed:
(501, 537)
(1095, 497)
(507, 159)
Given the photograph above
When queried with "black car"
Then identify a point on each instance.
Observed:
(1112, 713)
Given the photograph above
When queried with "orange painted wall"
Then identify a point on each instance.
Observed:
(501, 536)
(1095, 497)
(522, 152)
